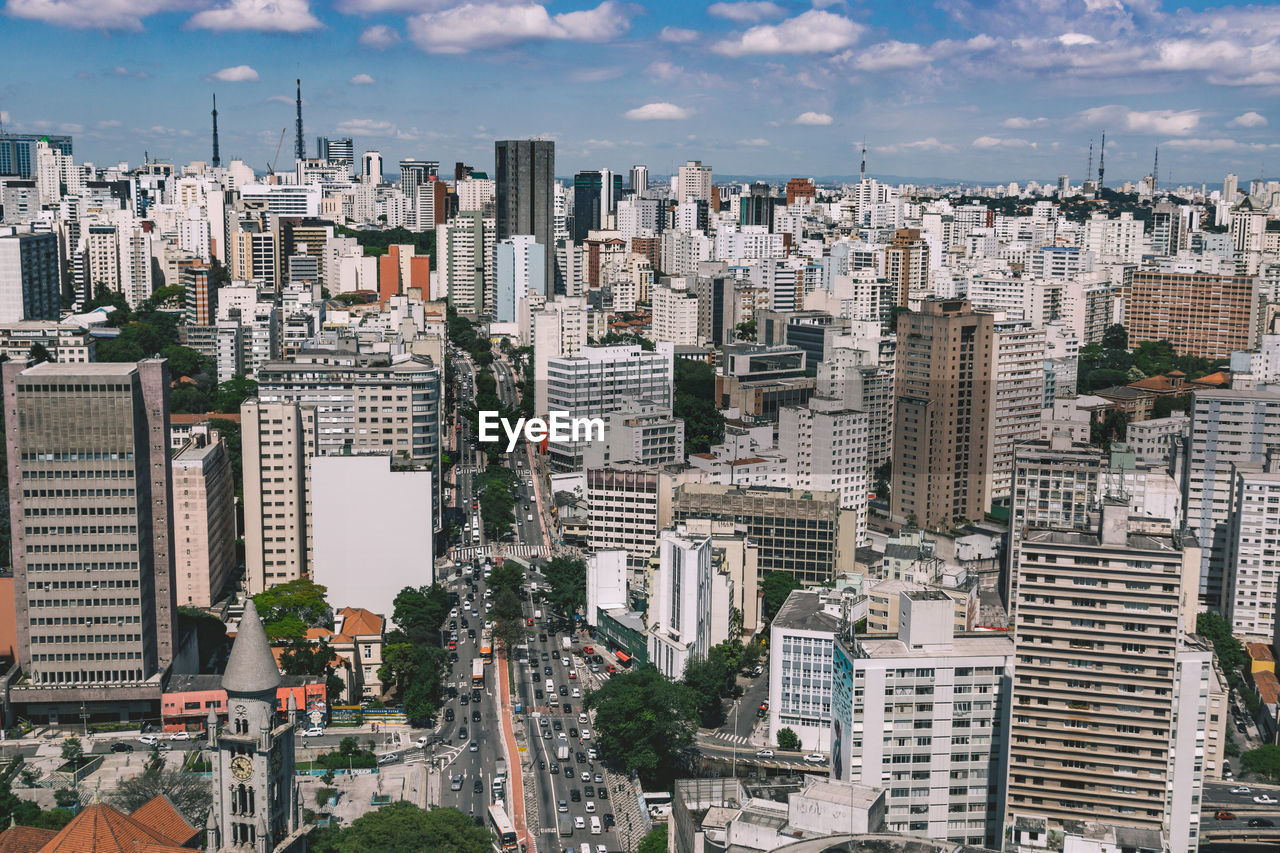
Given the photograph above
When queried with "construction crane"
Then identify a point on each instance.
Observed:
(271, 169)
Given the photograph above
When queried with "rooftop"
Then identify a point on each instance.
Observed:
(841, 793)
(964, 645)
(803, 610)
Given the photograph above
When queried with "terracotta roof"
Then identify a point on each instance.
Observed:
(751, 460)
(360, 622)
(161, 815)
(1157, 383)
(1259, 651)
(201, 418)
(24, 839)
(1268, 686)
(102, 829)
(704, 455)
(1220, 377)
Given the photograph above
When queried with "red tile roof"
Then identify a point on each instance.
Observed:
(161, 815)
(1268, 686)
(102, 829)
(24, 839)
(360, 622)
(1259, 651)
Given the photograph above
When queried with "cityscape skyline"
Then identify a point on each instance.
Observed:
(957, 90)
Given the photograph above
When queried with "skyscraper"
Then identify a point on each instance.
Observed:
(693, 182)
(30, 276)
(1207, 314)
(337, 151)
(525, 175)
(944, 399)
(756, 206)
(639, 180)
(371, 167)
(588, 203)
(18, 152)
(906, 264)
(90, 504)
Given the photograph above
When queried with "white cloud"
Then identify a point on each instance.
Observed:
(284, 99)
(90, 14)
(892, 55)
(989, 142)
(1219, 145)
(1076, 39)
(678, 35)
(1161, 122)
(930, 144)
(596, 75)
(379, 37)
(105, 124)
(812, 118)
(362, 80)
(375, 127)
(746, 11)
(661, 111)
(236, 74)
(1249, 119)
(486, 25)
(814, 31)
(1020, 123)
(268, 16)
(758, 142)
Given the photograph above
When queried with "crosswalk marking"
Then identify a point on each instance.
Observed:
(472, 551)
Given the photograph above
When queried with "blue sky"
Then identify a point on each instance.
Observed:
(975, 89)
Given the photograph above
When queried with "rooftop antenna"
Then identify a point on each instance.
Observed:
(1155, 172)
(1089, 168)
(1102, 155)
(862, 171)
(216, 159)
(299, 152)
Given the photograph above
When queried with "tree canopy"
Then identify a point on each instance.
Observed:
(567, 581)
(413, 662)
(288, 610)
(655, 841)
(1230, 651)
(402, 827)
(775, 588)
(14, 809)
(645, 724)
(1265, 761)
(192, 795)
(788, 739)
(695, 404)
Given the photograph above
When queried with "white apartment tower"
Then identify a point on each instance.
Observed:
(279, 440)
(1018, 399)
(681, 603)
(559, 330)
(825, 448)
(675, 314)
(1253, 543)
(693, 182)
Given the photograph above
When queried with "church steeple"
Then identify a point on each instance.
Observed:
(251, 668)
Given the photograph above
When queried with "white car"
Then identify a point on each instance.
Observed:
(577, 694)
(422, 741)
(149, 740)
(181, 736)
(592, 755)
(1242, 789)
(764, 753)
(815, 758)
(578, 822)
(314, 731)
(1266, 800)
(591, 806)
(586, 734)
(586, 777)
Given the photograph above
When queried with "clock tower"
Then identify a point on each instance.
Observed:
(255, 794)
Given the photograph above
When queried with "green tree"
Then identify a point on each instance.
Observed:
(655, 841)
(508, 576)
(625, 339)
(192, 795)
(695, 404)
(184, 361)
(775, 588)
(1115, 336)
(508, 619)
(567, 581)
(289, 609)
(170, 296)
(402, 827)
(306, 658)
(1230, 651)
(1265, 761)
(419, 612)
(788, 739)
(232, 393)
(73, 753)
(882, 474)
(746, 330)
(39, 353)
(66, 797)
(645, 724)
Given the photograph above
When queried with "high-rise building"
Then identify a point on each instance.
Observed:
(1111, 699)
(204, 527)
(1018, 400)
(801, 636)
(906, 264)
(1253, 548)
(415, 174)
(922, 713)
(682, 624)
(859, 371)
(340, 151)
(755, 207)
(278, 440)
(1206, 314)
(465, 261)
(525, 176)
(590, 204)
(1228, 427)
(693, 182)
(628, 504)
(639, 180)
(558, 330)
(18, 152)
(30, 276)
(91, 509)
(675, 314)
(519, 267)
(201, 297)
(800, 190)
(371, 167)
(944, 400)
(825, 448)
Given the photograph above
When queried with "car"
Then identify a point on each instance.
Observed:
(598, 778)
(1265, 800)
(149, 740)
(562, 806)
(568, 708)
(1261, 821)
(568, 770)
(543, 722)
(591, 806)
(582, 718)
(595, 667)
(586, 777)
(462, 733)
(389, 758)
(313, 731)
(573, 732)
(537, 694)
(1223, 814)
(455, 784)
(588, 790)
(478, 786)
(602, 792)
(609, 822)
(815, 758)
(554, 768)
(465, 700)
(448, 715)
(163, 747)
(545, 656)
(575, 795)
(588, 650)
(422, 741)
(611, 669)
(577, 694)
(1242, 789)
(181, 736)
(592, 754)
(121, 746)
(582, 759)
(557, 725)
(546, 670)
(586, 734)
(546, 734)
(564, 691)
(573, 673)
(579, 823)
(764, 753)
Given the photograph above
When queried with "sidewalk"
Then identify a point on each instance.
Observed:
(514, 769)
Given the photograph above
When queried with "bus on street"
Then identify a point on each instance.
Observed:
(477, 672)
(504, 829)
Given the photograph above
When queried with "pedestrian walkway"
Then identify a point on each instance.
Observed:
(518, 550)
(515, 770)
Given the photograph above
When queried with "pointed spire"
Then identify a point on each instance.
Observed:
(251, 667)
(217, 159)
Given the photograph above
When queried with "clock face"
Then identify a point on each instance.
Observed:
(241, 767)
(240, 710)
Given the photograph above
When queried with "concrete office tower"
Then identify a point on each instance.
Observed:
(204, 512)
(520, 268)
(801, 636)
(922, 713)
(559, 330)
(860, 373)
(1110, 684)
(1253, 532)
(1018, 399)
(278, 440)
(638, 432)
(525, 176)
(689, 603)
(30, 276)
(627, 505)
(598, 380)
(1228, 427)
(606, 583)
(639, 180)
(944, 400)
(755, 207)
(91, 507)
(906, 264)
(371, 167)
(591, 195)
(1206, 314)
(693, 182)
(18, 152)
(464, 258)
(1248, 233)
(803, 533)
(825, 448)
(415, 174)
(675, 314)
(339, 151)
(372, 528)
